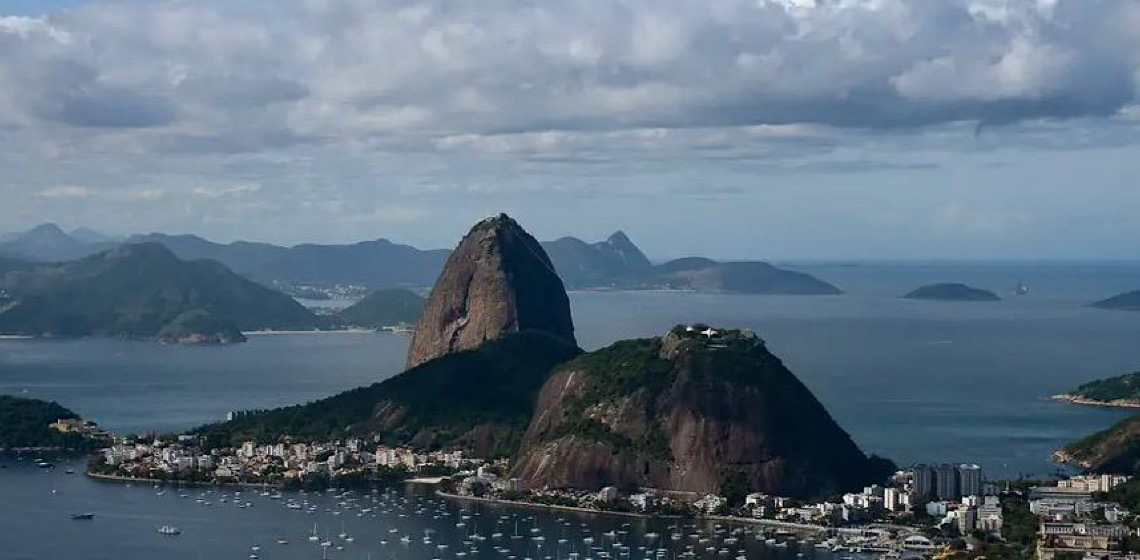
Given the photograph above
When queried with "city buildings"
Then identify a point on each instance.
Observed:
(945, 481)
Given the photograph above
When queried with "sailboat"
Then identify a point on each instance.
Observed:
(1021, 289)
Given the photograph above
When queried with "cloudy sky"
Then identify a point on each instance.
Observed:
(732, 128)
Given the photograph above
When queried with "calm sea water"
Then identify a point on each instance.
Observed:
(915, 381)
(215, 527)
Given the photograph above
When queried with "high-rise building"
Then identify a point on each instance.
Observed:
(967, 520)
(892, 499)
(946, 482)
(922, 483)
(969, 480)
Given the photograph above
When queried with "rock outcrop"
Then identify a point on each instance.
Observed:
(498, 280)
(697, 410)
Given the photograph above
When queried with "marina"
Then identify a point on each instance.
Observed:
(402, 521)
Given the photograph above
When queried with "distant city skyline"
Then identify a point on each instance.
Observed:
(779, 129)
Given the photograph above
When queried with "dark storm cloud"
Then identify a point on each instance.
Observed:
(111, 109)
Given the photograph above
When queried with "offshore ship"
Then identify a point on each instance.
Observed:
(1021, 289)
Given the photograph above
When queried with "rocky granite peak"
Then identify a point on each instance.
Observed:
(497, 280)
(630, 255)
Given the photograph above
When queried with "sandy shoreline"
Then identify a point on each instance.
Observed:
(425, 480)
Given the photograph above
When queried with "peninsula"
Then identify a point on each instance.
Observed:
(1119, 391)
(1129, 301)
(35, 424)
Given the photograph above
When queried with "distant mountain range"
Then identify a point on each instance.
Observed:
(49, 243)
(141, 291)
(616, 263)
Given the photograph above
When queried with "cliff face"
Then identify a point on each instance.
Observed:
(686, 412)
(498, 280)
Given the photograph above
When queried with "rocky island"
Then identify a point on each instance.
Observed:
(1129, 301)
(952, 291)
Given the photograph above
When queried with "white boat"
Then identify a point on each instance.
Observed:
(169, 530)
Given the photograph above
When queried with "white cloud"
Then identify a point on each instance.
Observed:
(65, 191)
(226, 190)
(313, 110)
(256, 78)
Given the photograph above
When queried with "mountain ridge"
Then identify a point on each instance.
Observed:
(143, 291)
(614, 263)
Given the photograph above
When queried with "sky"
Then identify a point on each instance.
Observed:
(778, 129)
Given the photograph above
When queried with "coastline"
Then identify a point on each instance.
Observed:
(800, 527)
(515, 503)
(136, 480)
(635, 515)
(1077, 399)
(314, 331)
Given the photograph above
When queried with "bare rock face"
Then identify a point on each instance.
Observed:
(698, 411)
(498, 280)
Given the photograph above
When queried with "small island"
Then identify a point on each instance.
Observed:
(1121, 391)
(1123, 302)
(952, 291)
